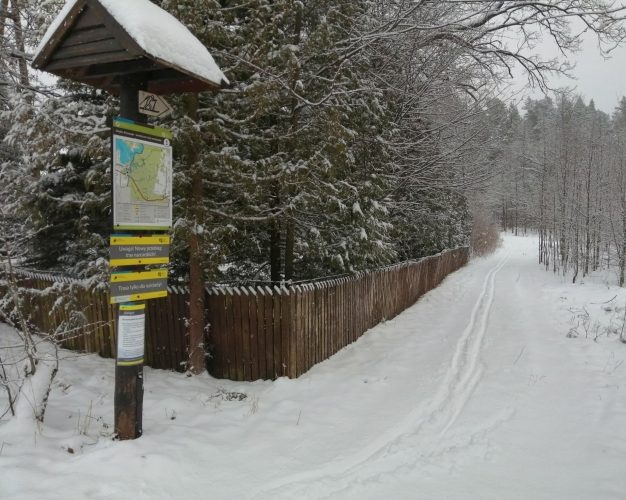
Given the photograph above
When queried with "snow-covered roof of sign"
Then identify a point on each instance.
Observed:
(97, 41)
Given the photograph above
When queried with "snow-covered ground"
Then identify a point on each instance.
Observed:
(476, 392)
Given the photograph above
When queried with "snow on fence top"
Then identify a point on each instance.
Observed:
(89, 33)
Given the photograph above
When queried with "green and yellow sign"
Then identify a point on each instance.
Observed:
(142, 177)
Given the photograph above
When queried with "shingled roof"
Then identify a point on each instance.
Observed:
(98, 41)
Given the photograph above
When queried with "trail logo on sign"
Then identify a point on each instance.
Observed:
(153, 105)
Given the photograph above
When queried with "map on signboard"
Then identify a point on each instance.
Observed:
(142, 177)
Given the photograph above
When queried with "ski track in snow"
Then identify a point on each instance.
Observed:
(423, 435)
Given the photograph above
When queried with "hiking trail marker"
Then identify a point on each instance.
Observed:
(153, 105)
(137, 51)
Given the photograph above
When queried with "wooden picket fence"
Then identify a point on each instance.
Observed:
(258, 332)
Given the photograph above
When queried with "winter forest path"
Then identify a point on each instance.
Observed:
(474, 392)
(518, 410)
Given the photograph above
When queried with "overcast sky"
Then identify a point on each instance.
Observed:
(602, 80)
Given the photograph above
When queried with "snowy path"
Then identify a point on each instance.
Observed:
(475, 392)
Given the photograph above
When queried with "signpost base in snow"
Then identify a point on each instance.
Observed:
(128, 401)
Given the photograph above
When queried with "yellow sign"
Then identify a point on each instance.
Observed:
(133, 287)
(139, 250)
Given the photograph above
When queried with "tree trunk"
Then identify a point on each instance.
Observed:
(19, 43)
(196, 272)
(275, 257)
(295, 120)
(4, 14)
(289, 251)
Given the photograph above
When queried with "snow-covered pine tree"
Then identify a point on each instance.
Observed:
(63, 158)
(282, 166)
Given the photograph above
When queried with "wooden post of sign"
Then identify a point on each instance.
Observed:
(128, 399)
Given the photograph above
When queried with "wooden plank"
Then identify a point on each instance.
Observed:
(164, 308)
(114, 28)
(170, 320)
(358, 318)
(246, 362)
(310, 361)
(87, 20)
(345, 292)
(230, 335)
(151, 327)
(218, 315)
(353, 288)
(100, 299)
(300, 329)
(285, 331)
(155, 305)
(349, 289)
(340, 317)
(269, 333)
(319, 318)
(331, 319)
(347, 316)
(211, 348)
(78, 37)
(370, 300)
(85, 332)
(278, 369)
(304, 328)
(112, 316)
(319, 314)
(121, 68)
(174, 334)
(183, 319)
(94, 321)
(363, 302)
(324, 354)
(293, 341)
(253, 326)
(95, 48)
(88, 307)
(88, 60)
(312, 330)
(260, 332)
(238, 335)
(150, 357)
(345, 288)
(161, 341)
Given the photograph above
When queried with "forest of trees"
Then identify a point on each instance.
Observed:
(564, 175)
(354, 134)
